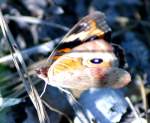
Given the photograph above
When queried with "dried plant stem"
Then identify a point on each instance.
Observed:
(132, 107)
(22, 71)
(43, 48)
(78, 109)
(143, 92)
(34, 20)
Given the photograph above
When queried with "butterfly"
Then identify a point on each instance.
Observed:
(85, 58)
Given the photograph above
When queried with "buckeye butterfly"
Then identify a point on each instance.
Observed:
(85, 58)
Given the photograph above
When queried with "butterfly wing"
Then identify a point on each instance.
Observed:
(69, 67)
(76, 70)
(92, 26)
(89, 28)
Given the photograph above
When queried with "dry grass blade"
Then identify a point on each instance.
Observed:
(22, 71)
(143, 92)
(42, 49)
(34, 20)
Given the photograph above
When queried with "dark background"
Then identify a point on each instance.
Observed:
(130, 23)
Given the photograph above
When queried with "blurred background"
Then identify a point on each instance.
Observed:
(38, 25)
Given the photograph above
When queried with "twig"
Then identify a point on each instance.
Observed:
(132, 107)
(33, 20)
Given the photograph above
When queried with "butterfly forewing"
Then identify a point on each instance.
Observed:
(89, 28)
